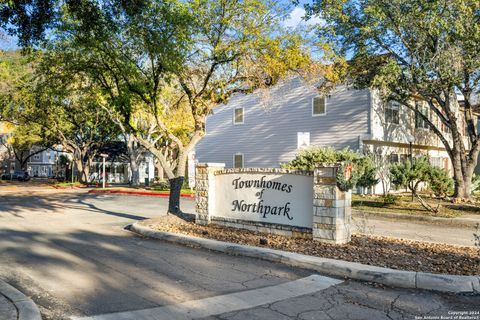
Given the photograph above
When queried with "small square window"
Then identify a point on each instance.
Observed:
(238, 116)
(238, 160)
(319, 106)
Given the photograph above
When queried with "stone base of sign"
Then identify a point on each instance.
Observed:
(205, 190)
(268, 228)
(331, 207)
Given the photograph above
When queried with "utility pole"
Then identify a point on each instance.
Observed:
(410, 140)
(104, 156)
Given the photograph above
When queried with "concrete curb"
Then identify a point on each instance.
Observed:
(459, 222)
(339, 268)
(26, 308)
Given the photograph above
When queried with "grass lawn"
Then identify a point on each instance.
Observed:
(67, 184)
(159, 189)
(405, 205)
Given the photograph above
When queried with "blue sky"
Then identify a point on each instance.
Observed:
(296, 18)
(8, 43)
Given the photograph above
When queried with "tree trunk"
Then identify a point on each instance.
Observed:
(134, 152)
(463, 183)
(83, 171)
(135, 178)
(174, 199)
(159, 168)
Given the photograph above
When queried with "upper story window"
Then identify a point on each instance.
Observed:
(392, 112)
(238, 116)
(319, 106)
(238, 160)
(420, 122)
(36, 157)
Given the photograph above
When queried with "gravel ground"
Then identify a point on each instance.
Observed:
(367, 249)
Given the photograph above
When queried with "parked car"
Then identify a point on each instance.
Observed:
(21, 176)
(7, 176)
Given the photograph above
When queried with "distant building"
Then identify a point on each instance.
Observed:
(45, 164)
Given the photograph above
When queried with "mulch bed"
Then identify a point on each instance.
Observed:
(367, 249)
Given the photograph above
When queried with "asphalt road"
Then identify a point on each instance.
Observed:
(70, 253)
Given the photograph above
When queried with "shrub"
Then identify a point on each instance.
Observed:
(410, 174)
(389, 199)
(164, 185)
(475, 183)
(364, 167)
(439, 181)
(307, 158)
(368, 175)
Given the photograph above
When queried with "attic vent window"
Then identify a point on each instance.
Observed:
(319, 106)
(238, 160)
(238, 116)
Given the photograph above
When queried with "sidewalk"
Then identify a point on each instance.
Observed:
(14, 305)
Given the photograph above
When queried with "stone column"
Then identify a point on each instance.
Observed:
(205, 191)
(331, 207)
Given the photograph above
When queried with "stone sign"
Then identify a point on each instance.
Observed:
(265, 197)
(286, 202)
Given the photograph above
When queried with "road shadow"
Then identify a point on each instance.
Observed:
(22, 205)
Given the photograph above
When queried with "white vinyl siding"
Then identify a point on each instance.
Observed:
(319, 106)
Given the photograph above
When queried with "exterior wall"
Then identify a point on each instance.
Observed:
(272, 120)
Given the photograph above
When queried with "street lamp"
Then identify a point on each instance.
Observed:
(410, 140)
(104, 156)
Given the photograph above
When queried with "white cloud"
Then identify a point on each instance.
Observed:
(296, 18)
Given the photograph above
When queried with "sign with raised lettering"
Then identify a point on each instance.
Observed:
(280, 198)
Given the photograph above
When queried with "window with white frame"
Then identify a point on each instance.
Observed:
(420, 122)
(36, 157)
(238, 160)
(319, 106)
(238, 116)
(392, 112)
